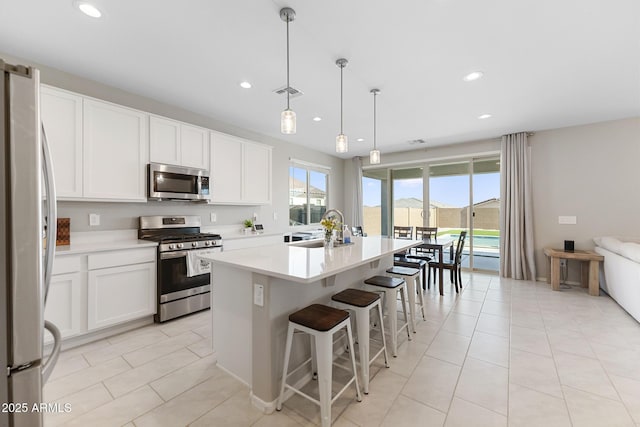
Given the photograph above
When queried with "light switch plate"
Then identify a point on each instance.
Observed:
(258, 295)
(567, 220)
(214, 217)
(94, 219)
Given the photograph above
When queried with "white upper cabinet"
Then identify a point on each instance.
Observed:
(115, 152)
(257, 173)
(177, 143)
(164, 140)
(195, 146)
(226, 172)
(61, 113)
(240, 171)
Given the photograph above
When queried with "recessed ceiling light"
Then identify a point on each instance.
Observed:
(89, 9)
(317, 119)
(473, 76)
(484, 116)
(245, 85)
(360, 139)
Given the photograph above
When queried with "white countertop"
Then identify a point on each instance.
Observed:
(83, 248)
(306, 265)
(83, 242)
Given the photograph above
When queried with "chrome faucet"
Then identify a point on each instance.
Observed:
(339, 214)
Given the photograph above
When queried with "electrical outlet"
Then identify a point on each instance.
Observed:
(258, 295)
(567, 220)
(214, 217)
(255, 217)
(275, 216)
(94, 219)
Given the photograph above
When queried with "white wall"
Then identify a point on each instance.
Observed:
(591, 172)
(125, 215)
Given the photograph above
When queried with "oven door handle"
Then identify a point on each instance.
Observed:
(172, 255)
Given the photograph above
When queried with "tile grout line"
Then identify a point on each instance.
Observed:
(453, 396)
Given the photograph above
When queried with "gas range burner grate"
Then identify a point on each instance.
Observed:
(181, 238)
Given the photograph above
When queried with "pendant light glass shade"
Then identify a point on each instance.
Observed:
(288, 116)
(374, 157)
(288, 122)
(342, 143)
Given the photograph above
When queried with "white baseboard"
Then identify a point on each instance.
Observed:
(269, 407)
(88, 337)
(231, 373)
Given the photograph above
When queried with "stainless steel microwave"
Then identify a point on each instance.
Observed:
(168, 182)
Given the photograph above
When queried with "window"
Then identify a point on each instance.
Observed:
(308, 193)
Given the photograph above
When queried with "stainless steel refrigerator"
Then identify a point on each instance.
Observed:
(27, 245)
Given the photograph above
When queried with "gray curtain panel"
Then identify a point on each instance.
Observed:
(358, 215)
(516, 210)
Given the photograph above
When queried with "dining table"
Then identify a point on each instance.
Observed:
(439, 244)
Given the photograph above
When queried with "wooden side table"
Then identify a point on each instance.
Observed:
(590, 262)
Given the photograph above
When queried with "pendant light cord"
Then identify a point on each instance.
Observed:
(374, 119)
(341, 114)
(287, 63)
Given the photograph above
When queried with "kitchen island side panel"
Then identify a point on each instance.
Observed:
(231, 300)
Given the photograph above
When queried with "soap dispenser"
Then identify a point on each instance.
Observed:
(346, 235)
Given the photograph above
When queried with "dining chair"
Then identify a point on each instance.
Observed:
(424, 233)
(454, 265)
(402, 232)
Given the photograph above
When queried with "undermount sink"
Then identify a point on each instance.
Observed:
(318, 243)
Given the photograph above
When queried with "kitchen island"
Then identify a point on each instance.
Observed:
(254, 290)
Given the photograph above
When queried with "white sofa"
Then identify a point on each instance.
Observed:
(621, 275)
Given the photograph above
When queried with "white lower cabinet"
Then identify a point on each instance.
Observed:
(100, 289)
(121, 286)
(118, 294)
(64, 305)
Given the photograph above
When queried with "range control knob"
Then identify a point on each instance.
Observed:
(180, 245)
(207, 243)
(172, 246)
(194, 244)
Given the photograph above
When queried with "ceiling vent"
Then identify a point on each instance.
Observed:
(293, 92)
(417, 141)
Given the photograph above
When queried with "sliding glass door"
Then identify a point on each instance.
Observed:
(485, 214)
(407, 197)
(466, 196)
(375, 200)
(453, 196)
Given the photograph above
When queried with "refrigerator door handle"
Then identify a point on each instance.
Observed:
(52, 214)
(50, 363)
(52, 222)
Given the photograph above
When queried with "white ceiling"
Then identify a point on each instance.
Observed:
(546, 63)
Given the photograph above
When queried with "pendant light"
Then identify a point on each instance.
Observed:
(288, 116)
(342, 142)
(374, 155)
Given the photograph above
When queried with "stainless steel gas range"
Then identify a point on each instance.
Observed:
(183, 280)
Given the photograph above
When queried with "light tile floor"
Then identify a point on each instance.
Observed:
(501, 353)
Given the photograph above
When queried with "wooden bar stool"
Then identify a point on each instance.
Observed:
(321, 322)
(362, 302)
(391, 286)
(412, 277)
